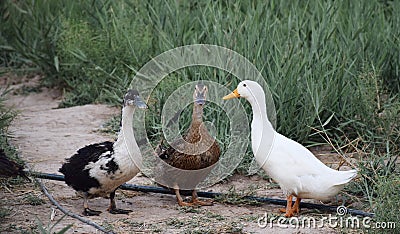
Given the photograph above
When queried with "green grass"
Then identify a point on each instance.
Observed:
(49, 228)
(6, 117)
(380, 185)
(235, 197)
(198, 220)
(332, 66)
(33, 199)
(322, 60)
(387, 201)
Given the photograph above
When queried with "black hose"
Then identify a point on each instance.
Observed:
(151, 189)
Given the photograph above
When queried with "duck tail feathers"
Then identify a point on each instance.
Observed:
(347, 176)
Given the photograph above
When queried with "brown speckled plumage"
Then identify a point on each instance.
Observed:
(199, 138)
(193, 161)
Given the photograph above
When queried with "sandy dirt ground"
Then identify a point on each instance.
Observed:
(46, 135)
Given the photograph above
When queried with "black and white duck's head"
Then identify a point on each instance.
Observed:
(132, 98)
(200, 94)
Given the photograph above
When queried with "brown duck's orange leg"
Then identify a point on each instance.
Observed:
(288, 206)
(180, 200)
(296, 206)
(196, 201)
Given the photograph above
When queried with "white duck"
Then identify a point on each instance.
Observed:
(97, 170)
(297, 171)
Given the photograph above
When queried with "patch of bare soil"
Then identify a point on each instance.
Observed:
(45, 136)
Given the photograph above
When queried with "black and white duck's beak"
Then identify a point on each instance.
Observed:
(139, 103)
(200, 94)
(132, 98)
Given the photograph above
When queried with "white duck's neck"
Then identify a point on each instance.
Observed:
(262, 132)
(259, 110)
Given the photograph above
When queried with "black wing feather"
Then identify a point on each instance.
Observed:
(75, 174)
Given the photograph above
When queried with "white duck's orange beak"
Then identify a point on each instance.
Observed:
(234, 94)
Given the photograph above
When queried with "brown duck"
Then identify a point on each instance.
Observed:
(195, 151)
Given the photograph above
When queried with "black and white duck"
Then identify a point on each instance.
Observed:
(97, 170)
(192, 156)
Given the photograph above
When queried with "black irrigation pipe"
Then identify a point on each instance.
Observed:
(151, 189)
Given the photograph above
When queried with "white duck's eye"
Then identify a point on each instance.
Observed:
(244, 85)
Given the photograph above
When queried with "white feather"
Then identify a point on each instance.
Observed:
(127, 168)
(291, 165)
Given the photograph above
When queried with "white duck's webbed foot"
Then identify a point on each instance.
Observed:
(290, 209)
(296, 206)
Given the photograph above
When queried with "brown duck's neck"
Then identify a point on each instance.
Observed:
(197, 115)
(197, 120)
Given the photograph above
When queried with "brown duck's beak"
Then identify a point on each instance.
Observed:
(200, 94)
(234, 94)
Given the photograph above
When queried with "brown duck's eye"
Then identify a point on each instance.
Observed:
(244, 85)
